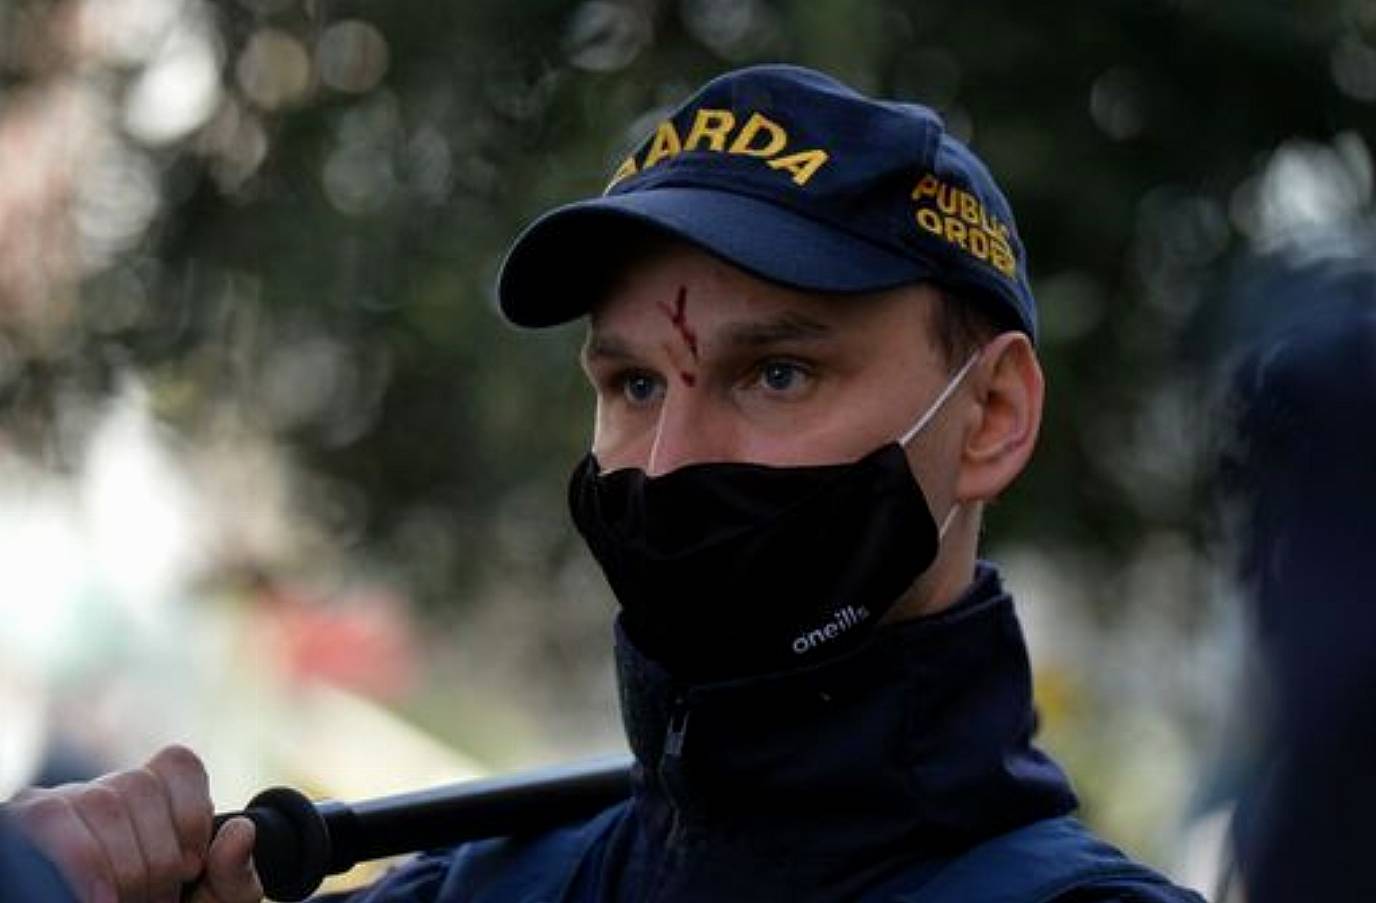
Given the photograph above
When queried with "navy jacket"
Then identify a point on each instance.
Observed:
(26, 875)
(902, 771)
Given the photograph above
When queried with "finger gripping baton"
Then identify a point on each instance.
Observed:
(299, 842)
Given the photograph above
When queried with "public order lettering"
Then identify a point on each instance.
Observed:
(958, 217)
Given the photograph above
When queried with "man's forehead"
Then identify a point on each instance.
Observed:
(662, 268)
(763, 329)
(676, 280)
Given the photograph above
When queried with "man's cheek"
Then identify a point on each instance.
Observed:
(619, 442)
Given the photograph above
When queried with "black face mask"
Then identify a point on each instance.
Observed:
(726, 570)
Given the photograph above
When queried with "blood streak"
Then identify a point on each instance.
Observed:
(678, 316)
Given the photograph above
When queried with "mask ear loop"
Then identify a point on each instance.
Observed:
(940, 400)
(946, 524)
(926, 418)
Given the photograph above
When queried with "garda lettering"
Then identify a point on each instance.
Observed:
(958, 217)
(722, 132)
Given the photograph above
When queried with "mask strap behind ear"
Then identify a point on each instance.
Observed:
(940, 400)
(946, 524)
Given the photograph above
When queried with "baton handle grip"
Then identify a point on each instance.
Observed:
(291, 844)
(298, 843)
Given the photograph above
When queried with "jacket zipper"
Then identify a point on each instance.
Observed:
(669, 770)
(671, 762)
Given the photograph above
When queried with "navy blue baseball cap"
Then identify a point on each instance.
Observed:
(798, 179)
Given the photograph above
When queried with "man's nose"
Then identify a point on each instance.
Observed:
(690, 430)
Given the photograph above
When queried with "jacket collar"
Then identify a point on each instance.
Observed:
(921, 738)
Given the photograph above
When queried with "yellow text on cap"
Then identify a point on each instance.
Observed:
(721, 132)
(958, 218)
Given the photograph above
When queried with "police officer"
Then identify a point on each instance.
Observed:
(812, 341)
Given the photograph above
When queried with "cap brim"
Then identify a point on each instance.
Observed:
(564, 262)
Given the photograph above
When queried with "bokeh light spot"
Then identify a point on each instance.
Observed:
(274, 69)
(236, 144)
(177, 92)
(118, 196)
(734, 29)
(1116, 104)
(352, 56)
(605, 37)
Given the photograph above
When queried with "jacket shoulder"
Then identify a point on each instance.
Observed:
(1057, 860)
(25, 873)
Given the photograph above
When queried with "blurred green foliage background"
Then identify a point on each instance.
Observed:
(282, 219)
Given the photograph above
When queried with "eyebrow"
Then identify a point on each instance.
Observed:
(605, 346)
(788, 327)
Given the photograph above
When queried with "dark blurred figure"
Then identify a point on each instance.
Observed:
(1299, 476)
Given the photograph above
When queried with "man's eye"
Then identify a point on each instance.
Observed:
(640, 388)
(783, 376)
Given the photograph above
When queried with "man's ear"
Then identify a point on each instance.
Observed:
(1002, 429)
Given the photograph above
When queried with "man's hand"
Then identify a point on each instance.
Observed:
(141, 835)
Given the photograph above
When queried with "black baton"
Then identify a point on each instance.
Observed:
(299, 842)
